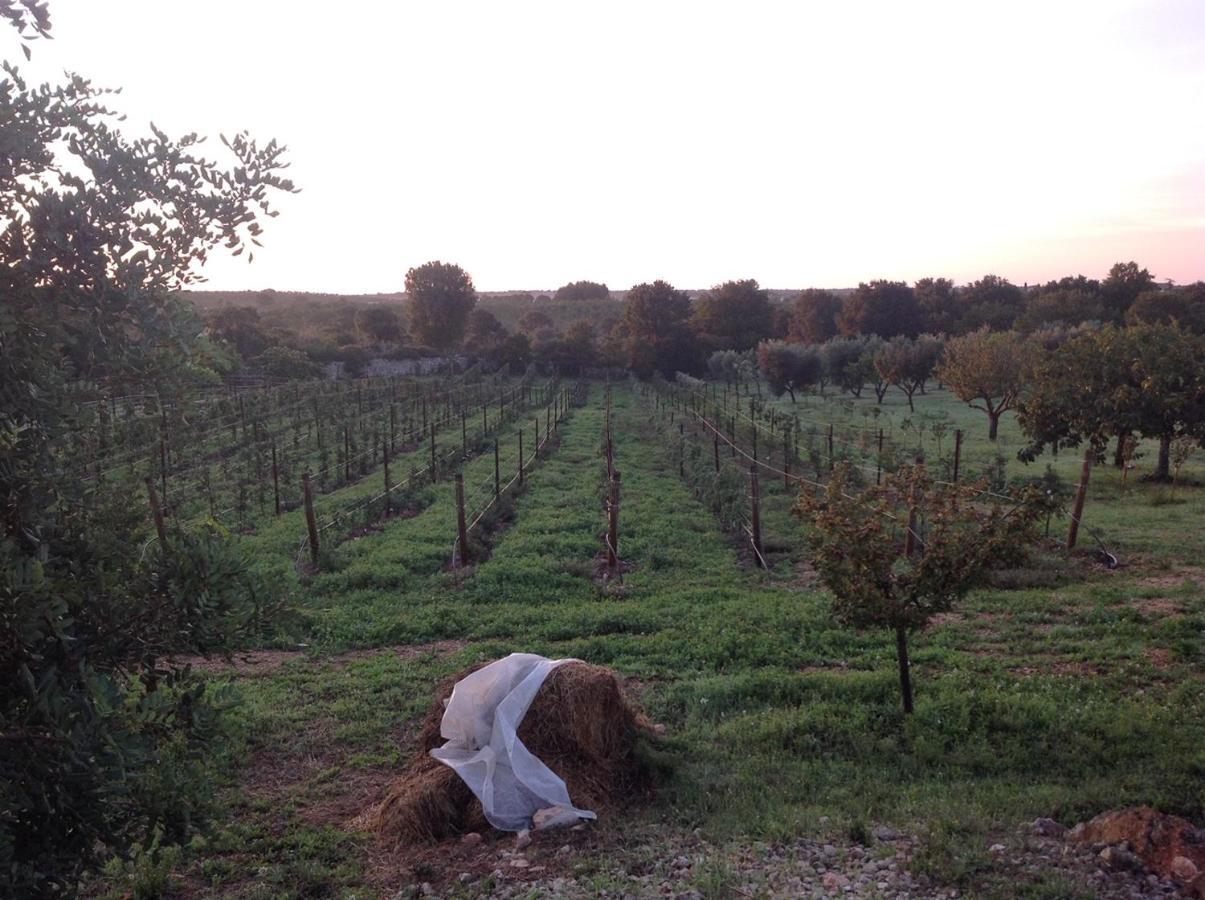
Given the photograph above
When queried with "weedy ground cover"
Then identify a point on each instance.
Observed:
(1067, 690)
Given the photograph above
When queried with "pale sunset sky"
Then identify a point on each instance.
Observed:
(802, 144)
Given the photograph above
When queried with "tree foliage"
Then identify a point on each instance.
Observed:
(858, 538)
(658, 337)
(1146, 379)
(98, 230)
(788, 368)
(813, 317)
(582, 290)
(734, 315)
(441, 297)
(988, 370)
(885, 308)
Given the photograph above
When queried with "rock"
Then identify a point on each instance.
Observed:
(883, 833)
(1120, 859)
(426, 889)
(996, 849)
(522, 839)
(834, 881)
(1184, 869)
(464, 877)
(1048, 828)
(471, 838)
(519, 863)
(564, 850)
(1155, 837)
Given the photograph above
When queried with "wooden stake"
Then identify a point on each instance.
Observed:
(434, 471)
(385, 461)
(878, 468)
(497, 471)
(462, 533)
(520, 456)
(307, 492)
(957, 452)
(755, 513)
(613, 522)
(275, 480)
(1081, 493)
(831, 460)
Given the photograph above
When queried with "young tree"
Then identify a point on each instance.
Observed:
(885, 308)
(1183, 305)
(813, 318)
(987, 370)
(441, 297)
(886, 570)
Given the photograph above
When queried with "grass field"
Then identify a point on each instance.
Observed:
(1062, 691)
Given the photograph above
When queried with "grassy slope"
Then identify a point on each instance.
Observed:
(1030, 702)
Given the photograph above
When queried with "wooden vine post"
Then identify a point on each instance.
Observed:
(520, 456)
(957, 452)
(1081, 492)
(716, 447)
(755, 514)
(497, 471)
(831, 459)
(613, 522)
(434, 470)
(901, 634)
(275, 480)
(878, 467)
(307, 492)
(462, 533)
(385, 465)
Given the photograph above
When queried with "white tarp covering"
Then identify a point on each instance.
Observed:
(480, 725)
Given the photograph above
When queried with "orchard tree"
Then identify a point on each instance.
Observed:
(813, 317)
(988, 370)
(733, 315)
(849, 362)
(240, 327)
(887, 570)
(441, 297)
(1061, 306)
(534, 322)
(885, 308)
(788, 367)
(103, 737)
(1146, 379)
(907, 363)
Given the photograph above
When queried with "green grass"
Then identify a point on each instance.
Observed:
(1067, 695)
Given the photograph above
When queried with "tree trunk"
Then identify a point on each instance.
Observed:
(1119, 452)
(901, 652)
(791, 391)
(1163, 467)
(911, 408)
(994, 428)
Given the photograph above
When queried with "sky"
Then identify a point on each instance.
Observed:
(804, 144)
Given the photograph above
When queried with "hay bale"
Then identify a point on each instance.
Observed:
(580, 725)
